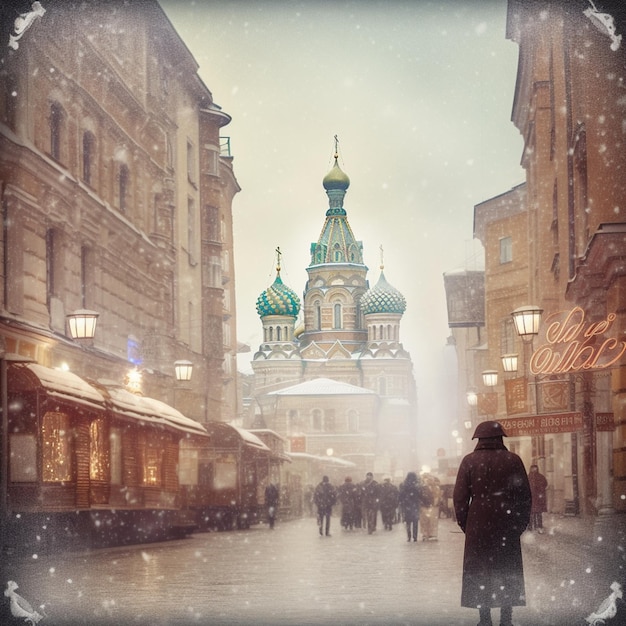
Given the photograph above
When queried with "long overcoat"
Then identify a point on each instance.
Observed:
(492, 504)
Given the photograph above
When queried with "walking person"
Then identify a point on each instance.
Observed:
(538, 486)
(429, 509)
(409, 496)
(492, 503)
(348, 498)
(272, 498)
(325, 497)
(388, 503)
(370, 490)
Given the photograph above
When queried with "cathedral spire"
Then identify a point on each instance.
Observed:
(336, 243)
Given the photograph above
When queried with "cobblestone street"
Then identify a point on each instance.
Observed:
(291, 575)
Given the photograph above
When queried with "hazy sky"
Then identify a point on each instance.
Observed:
(420, 95)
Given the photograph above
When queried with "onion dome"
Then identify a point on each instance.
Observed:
(278, 299)
(336, 179)
(383, 298)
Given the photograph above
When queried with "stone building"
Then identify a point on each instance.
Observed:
(557, 244)
(117, 198)
(339, 385)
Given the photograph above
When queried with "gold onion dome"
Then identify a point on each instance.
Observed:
(278, 299)
(336, 179)
(383, 298)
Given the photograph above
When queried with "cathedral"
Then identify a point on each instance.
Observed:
(331, 376)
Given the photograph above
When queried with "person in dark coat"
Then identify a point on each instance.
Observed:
(388, 503)
(538, 486)
(272, 497)
(370, 490)
(348, 497)
(409, 497)
(492, 503)
(325, 497)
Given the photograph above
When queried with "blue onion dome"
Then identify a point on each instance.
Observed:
(336, 178)
(278, 299)
(382, 298)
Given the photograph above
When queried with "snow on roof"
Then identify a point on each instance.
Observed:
(329, 460)
(150, 410)
(250, 438)
(322, 386)
(67, 385)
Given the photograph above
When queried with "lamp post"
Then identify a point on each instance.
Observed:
(490, 378)
(509, 362)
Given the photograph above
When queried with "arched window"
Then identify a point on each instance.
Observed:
(89, 145)
(279, 333)
(271, 333)
(57, 115)
(337, 315)
(318, 315)
(337, 254)
(124, 183)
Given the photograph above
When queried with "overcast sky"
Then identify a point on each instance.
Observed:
(420, 95)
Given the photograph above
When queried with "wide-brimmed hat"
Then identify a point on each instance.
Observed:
(488, 429)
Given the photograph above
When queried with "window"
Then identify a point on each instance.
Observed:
(191, 227)
(152, 460)
(337, 316)
(188, 464)
(191, 163)
(506, 250)
(23, 458)
(89, 143)
(98, 451)
(87, 276)
(115, 442)
(337, 254)
(123, 187)
(56, 130)
(318, 316)
(57, 448)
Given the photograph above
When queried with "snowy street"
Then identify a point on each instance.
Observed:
(291, 575)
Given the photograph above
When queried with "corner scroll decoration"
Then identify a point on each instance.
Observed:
(23, 23)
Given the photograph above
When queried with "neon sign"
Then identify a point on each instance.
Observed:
(574, 345)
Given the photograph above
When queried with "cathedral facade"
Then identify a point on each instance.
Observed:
(331, 375)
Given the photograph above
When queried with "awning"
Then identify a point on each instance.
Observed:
(224, 434)
(60, 384)
(133, 406)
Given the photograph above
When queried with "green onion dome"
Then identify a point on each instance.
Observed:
(278, 299)
(382, 298)
(336, 179)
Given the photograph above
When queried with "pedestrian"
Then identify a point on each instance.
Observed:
(272, 498)
(538, 486)
(410, 504)
(388, 503)
(325, 497)
(348, 498)
(492, 503)
(370, 490)
(429, 509)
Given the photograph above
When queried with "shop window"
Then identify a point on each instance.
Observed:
(115, 443)
(23, 458)
(98, 451)
(152, 458)
(57, 448)
(188, 464)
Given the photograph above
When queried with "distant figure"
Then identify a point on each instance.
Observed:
(325, 497)
(538, 486)
(492, 502)
(429, 510)
(410, 504)
(309, 494)
(272, 498)
(388, 503)
(348, 498)
(370, 491)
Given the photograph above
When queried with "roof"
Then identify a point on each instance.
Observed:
(322, 387)
(329, 460)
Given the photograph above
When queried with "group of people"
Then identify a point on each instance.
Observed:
(415, 502)
(494, 500)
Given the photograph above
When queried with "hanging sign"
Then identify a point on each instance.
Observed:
(573, 344)
(542, 424)
(605, 421)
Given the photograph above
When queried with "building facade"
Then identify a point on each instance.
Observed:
(558, 243)
(339, 385)
(117, 198)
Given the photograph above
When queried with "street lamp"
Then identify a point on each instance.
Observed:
(490, 378)
(527, 319)
(183, 369)
(509, 362)
(472, 398)
(82, 323)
